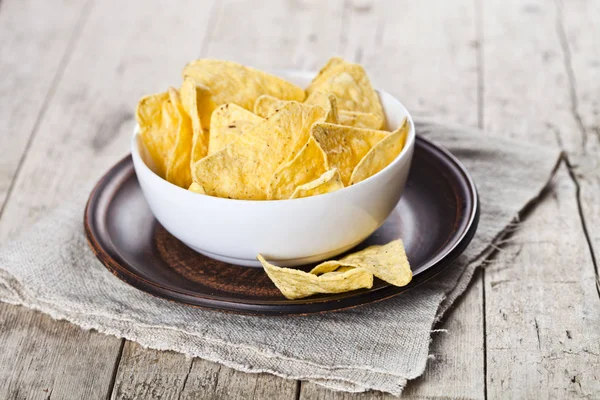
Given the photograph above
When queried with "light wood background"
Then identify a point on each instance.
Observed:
(528, 327)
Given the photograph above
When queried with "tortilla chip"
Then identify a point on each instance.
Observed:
(307, 166)
(166, 131)
(381, 154)
(329, 182)
(387, 262)
(348, 118)
(198, 104)
(296, 284)
(228, 122)
(266, 105)
(350, 84)
(231, 82)
(178, 169)
(243, 169)
(345, 146)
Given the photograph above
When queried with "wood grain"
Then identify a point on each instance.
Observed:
(36, 39)
(42, 358)
(542, 324)
(208, 380)
(580, 30)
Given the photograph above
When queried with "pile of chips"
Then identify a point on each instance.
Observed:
(235, 132)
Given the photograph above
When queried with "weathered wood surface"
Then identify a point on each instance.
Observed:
(525, 69)
(541, 306)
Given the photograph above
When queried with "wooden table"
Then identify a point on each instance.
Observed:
(529, 325)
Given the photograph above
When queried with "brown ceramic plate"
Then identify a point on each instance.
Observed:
(436, 218)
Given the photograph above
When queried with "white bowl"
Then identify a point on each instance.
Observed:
(287, 232)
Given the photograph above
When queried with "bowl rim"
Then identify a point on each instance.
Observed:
(408, 146)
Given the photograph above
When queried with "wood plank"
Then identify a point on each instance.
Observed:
(35, 43)
(86, 128)
(208, 380)
(580, 31)
(298, 34)
(42, 358)
(543, 313)
(382, 35)
(150, 374)
(542, 324)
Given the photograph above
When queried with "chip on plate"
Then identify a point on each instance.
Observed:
(329, 182)
(243, 169)
(228, 122)
(381, 154)
(345, 146)
(231, 82)
(296, 284)
(387, 262)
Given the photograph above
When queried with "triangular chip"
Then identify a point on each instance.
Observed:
(296, 284)
(307, 166)
(350, 84)
(266, 105)
(178, 169)
(231, 82)
(243, 169)
(381, 154)
(228, 122)
(329, 182)
(166, 131)
(345, 146)
(387, 262)
(348, 118)
(198, 104)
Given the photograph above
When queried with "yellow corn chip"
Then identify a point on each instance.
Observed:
(266, 105)
(243, 169)
(348, 118)
(228, 122)
(231, 82)
(178, 169)
(329, 182)
(307, 166)
(198, 104)
(345, 146)
(387, 262)
(196, 188)
(167, 134)
(296, 284)
(350, 84)
(157, 120)
(381, 154)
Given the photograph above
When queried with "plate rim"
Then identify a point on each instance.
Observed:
(305, 306)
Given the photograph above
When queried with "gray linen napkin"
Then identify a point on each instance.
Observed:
(380, 346)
